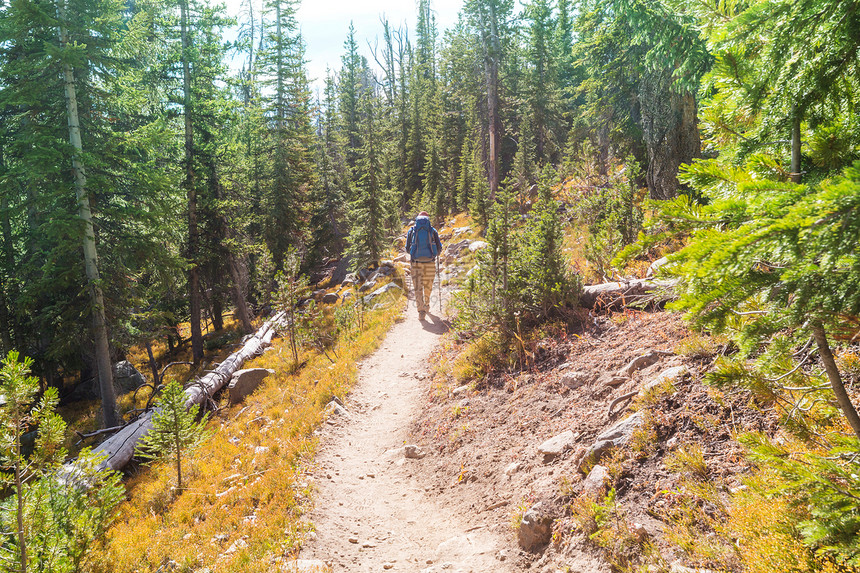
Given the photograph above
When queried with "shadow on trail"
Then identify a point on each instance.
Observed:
(434, 324)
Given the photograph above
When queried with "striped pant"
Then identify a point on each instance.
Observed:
(423, 275)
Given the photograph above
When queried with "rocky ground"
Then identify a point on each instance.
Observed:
(526, 446)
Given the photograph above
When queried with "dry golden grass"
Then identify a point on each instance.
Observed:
(246, 491)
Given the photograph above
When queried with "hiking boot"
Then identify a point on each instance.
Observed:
(421, 315)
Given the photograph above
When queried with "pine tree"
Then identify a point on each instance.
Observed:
(50, 519)
(175, 430)
(370, 205)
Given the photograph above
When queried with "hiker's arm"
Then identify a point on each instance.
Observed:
(408, 240)
(438, 242)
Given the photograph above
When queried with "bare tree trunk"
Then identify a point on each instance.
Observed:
(835, 378)
(491, 65)
(99, 326)
(795, 148)
(153, 365)
(671, 133)
(239, 295)
(191, 191)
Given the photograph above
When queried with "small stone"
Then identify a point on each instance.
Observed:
(413, 452)
(557, 445)
(388, 565)
(535, 529)
(513, 468)
(594, 484)
(353, 539)
(575, 379)
(478, 245)
(330, 298)
(502, 555)
(460, 390)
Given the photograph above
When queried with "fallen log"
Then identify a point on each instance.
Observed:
(119, 448)
(625, 293)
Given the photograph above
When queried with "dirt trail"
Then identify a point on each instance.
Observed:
(372, 511)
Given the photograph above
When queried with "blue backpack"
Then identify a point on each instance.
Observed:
(423, 244)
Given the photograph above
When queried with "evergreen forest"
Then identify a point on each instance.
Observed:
(163, 162)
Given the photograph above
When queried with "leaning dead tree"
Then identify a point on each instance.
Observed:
(119, 448)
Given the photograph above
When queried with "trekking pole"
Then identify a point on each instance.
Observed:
(439, 289)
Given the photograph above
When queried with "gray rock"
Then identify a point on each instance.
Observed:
(370, 284)
(244, 382)
(513, 468)
(347, 295)
(413, 452)
(454, 249)
(391, 289)
(667, 375)
(614, 437)
(557, 445)
(337, 408)
(348, 282)
(126, 377)
(535, 528)
(575, 379)
(331, 298)
(478, 245)
(387, 264)
(364, 273)
(319, 293)
(460, 390)
(594, 484)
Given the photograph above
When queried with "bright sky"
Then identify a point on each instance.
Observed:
(325, 24)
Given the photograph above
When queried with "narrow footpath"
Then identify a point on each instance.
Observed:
(371, 512)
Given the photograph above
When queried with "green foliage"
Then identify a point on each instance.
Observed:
(825, 487)
(292, 285)
(522, 276)
(54, 514)
(175, 430)
(611, 208)
(786, 248)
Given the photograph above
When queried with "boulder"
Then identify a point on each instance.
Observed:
(478, 245)
(460, 230)
(535, 529)
(557, 445)
(391, 289)
(667, 375)
(330, 298)
(614, 437)
(413, 452)
(454, 249)
(594, 484)
(126, 377)
(244, 382)
(403, 258)
(347, 295)
(367, 286)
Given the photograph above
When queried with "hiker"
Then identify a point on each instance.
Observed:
(423, 246)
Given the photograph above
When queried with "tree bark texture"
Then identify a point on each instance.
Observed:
(191, 192)
(795, 147)
(239, 301)
(119, 448)
(99, 325)
(835, 377)
(491, 65)
(620, 294)
(670, 130)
